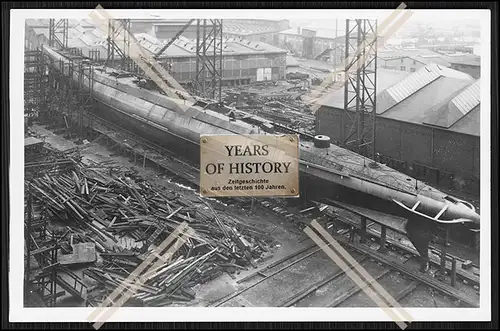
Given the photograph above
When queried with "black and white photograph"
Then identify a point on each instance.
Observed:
(352, 181)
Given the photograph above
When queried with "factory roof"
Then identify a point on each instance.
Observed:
(167, 22)
(184, 47)
(241, 46)
(385, 79)
(460, 113)
(39, 22)
(319, 32)
(84, 36)
(45, 22)
(420, 81)
(247, 29)
(464, 59)
(434, 95)
(422, 55)
(87, 37)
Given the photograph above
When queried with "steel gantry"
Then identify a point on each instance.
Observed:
(209, 58)
(358, 129)
(58, 33)
(119, 44)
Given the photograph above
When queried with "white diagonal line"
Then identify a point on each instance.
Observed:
(360, 269)
(134, 277)
(361, 283)
(319, 92)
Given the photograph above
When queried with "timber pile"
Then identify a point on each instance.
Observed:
(127, 218)
(49, 161)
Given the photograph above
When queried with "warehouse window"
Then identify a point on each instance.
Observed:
(403, 68)
(412, 69)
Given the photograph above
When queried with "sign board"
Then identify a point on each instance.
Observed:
(249, 165)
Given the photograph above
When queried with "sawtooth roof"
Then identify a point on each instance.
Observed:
(385, 79)
(184, 47)
(461, 112)
(88, 37)
(417, 82)
(433, 95)
(247, 29)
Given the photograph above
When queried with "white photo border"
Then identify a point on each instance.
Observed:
(17, 311)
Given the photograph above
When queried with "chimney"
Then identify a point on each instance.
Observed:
(298, 30)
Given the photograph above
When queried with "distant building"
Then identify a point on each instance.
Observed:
(82, 35)
(243, 61)
(256, 30)
(319, 44)
(409, 60)
(468, 63)
(428, 125)
(143, 25)
(167, 30)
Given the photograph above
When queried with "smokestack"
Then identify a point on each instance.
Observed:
(298, 30)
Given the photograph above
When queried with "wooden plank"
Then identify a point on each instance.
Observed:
(424, 278)
(462, 273)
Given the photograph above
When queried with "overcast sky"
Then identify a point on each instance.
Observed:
(446, 19)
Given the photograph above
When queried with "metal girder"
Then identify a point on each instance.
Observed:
(118, 34)
(209, 58)
(35, 80)
(171, 41)
(360, 87)
(58, 33)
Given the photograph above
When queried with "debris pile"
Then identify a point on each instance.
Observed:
(127, 219)
(280, 102)
(41, 161)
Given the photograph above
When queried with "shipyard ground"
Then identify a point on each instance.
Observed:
(285, 274)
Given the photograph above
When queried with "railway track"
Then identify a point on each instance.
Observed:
(308, 278)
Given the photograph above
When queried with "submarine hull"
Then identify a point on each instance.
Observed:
(311, 187)
(177, 125)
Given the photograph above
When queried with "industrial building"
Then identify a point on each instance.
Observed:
(82, 36)
(412, 59)
(468, 63)
(427, 124)
(320, 44)
(256, 30)
(243, 62)
(409, 59)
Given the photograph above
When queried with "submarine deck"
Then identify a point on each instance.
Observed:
(333, 157)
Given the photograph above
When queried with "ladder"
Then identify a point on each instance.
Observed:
(75, 286)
